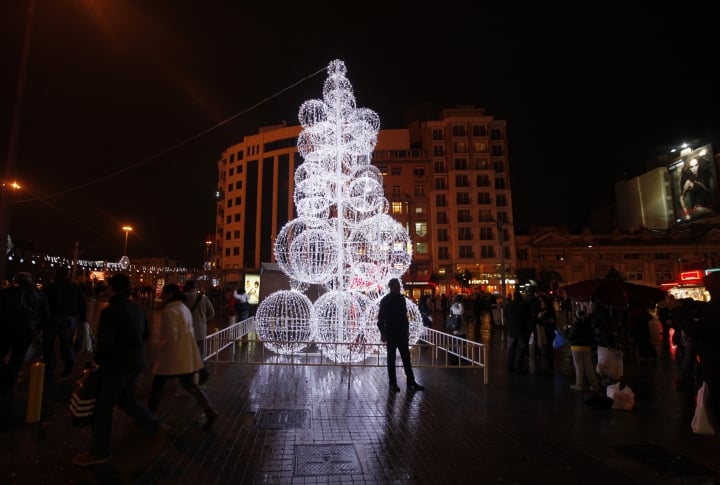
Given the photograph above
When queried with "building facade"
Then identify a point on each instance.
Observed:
(554, 257)
(447, 182)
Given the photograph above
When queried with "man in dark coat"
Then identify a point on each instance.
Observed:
(120, 355)
(67, 310)
(24, 312)
(519, 333)
(394, 329)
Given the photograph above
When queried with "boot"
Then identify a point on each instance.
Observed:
(202, 399)
(154, 400)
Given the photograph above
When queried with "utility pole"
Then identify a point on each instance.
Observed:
(8, 178)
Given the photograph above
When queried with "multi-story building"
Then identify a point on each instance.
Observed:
(553, 256)
(470, 197)
(447, 181)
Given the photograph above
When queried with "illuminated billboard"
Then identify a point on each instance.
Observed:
(694, 185)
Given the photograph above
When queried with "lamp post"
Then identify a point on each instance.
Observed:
(208, 244)
(127, 230)
(7, 192)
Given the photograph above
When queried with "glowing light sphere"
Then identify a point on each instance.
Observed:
(314, 257)
(365, 199)
(382, 241)
(284, 321)
(340, 323)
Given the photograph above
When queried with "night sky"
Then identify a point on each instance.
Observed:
(128, 104)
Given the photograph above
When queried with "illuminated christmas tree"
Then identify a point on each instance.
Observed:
(342, 239)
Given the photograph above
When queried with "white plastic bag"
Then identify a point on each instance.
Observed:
(623, 398)
(610, 363)
(89, 342)
(701, 423)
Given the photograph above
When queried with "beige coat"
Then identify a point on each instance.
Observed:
(203, 312)
(178, 352)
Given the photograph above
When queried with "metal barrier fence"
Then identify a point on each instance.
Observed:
(238, 343)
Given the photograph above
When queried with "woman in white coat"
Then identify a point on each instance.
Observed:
(178, 355)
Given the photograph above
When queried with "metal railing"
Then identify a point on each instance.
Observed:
(238, 343)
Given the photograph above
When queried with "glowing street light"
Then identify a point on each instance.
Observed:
(127, 230)
(208, 245)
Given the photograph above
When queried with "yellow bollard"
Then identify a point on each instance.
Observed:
(35, 392)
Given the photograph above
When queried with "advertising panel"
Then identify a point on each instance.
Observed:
(694, 185)
(252, 288)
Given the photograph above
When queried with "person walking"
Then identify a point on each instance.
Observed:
(67, 309)
(455, 318)
(546, 324)
(425, 311)
(394, 329)
(119, 355)
(519, 334)
(444, 306)
(178, 355)
(24, 313)
(638, 325)
(202, 310)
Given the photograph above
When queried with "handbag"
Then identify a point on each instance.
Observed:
(701, 422)
(85, 391)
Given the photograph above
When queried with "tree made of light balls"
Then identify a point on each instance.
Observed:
(342, 239)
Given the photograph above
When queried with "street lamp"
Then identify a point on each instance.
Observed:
(208, 261)
(127, 230)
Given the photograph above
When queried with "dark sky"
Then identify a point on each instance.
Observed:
(128, 104)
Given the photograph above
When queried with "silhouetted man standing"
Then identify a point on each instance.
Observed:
(395, 331)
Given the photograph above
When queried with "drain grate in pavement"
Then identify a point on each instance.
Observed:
(337, 459)
(283, 419)
(664, 461)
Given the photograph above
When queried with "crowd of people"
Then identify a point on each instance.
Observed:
(50, 317)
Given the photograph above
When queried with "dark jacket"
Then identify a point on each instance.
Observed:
(425, 311)
(580, 333)
(604, 327)
(392, 316)
(66, 299)
(122, 332)
(519, 313)
(23, 307)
